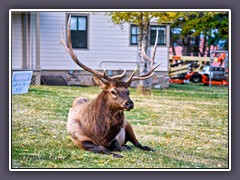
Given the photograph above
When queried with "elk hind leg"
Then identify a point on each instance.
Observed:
(90, 146)
(86, 143)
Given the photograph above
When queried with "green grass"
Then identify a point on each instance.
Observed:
(187, 125)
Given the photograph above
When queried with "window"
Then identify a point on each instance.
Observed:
(134, 35)
(79, 31)
(161, 34)
(153, 28)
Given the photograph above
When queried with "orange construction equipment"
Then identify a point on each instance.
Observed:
(218, 72)
(188, 70)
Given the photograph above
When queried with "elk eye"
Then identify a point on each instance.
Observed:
(113, 93)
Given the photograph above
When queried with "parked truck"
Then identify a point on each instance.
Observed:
(184, 69)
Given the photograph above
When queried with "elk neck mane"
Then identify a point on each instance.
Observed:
(105, 122)
(102, 106)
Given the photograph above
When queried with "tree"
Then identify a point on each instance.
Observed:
(142, 20)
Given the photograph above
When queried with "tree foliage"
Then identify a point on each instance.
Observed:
(138, 17)
(212, 26)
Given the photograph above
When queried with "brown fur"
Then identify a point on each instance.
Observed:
(99, 125)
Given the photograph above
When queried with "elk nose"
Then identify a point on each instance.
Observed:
(129, 104)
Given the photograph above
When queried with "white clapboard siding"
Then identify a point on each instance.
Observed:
(16, 41)
(108, 44)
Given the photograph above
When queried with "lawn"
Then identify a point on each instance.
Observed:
(186, 125)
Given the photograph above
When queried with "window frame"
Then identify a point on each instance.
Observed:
(136, 35)
(152, 41)
(79, 31)
(152, 44)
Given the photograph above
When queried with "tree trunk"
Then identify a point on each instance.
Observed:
(204, 44)
(172, 47)
(172, 40)
(208, 50)
(144, 65)
(195, 48)
(186, 46)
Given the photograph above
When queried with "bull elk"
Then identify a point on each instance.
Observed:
(99, 125)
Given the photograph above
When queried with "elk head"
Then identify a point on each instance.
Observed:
(117, 93)
(114, 86)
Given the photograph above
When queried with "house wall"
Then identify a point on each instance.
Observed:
(17, 45)
(108, 45)
(17, 41)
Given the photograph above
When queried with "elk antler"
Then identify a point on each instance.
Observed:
(150, 72)
(68, 48)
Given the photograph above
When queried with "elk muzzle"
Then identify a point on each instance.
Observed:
(129, 105)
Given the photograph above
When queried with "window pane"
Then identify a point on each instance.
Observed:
(79, 39)
(82, 40)
(73, 23)
(152, 37)
(161, 40)
(134, 40)
(134, 29)
(153, 28)
(161, 32)
(82, 24)
(157, 28)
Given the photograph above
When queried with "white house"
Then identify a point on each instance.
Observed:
(98, 43)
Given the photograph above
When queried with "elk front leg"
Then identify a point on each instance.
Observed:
(130, 136)
(89, 146)
(116, 146)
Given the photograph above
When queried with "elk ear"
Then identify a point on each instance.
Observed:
(99, 82)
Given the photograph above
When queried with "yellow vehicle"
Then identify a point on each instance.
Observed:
(183, 69)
